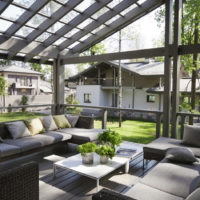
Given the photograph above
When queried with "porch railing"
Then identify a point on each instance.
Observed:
(105, 110)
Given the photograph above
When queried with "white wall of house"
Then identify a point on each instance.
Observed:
(127, 98)
(140, 101)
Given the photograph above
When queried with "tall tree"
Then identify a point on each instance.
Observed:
(190, 35)
(96, 49)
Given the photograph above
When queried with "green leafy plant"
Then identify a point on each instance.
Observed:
(106, 151)
(73, 110)
(24, 102)
(88, 147)
(110, 137)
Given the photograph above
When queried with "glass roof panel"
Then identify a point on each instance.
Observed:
(59, 41)
(124, 12)
(63, 1)
(112, 19)
(43, 37)
(100, 12)
(85, 23)
(36, 20)
(67, 18)
(13, 12)
(113, 3)
(50, 8)
(73, 45)
(84, 5)
(98, 29)
(55, 27)
(25, 3)
(85, 37)
(72, 32)
(4, 25)
(24, 31)
(141, 1)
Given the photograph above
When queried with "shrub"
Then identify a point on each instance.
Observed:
(110, 137)
(73, 110)
(24, 101)
(88, 147)
(106, 151)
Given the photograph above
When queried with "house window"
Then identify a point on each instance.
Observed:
(151, 98)
(87, 98)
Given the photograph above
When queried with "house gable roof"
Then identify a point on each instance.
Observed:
(137, 68)
(16, 69)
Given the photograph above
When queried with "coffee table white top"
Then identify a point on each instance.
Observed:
(95, 170)
(98, 170)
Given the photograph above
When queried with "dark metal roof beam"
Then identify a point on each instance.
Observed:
(21, 58)
(102, 19)
(25, 17)
(46, 24)
(4, 5)
(73, 23)
(144, 53)
(120, 23)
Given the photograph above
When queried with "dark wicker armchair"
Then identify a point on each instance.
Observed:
(105, 194)
(21, 183)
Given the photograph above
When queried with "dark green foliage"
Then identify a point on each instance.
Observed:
(88, 147)
(110, 137)
(24, 102)
(106, 151)
(73, 110)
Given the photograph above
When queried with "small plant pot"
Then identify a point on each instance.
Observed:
(104, 159)
(88, 158)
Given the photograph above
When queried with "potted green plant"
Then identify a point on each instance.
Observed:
(111, 138)
(105, 152)
(87, 150)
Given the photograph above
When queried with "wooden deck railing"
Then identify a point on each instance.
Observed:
(105, 110)
(183, 116)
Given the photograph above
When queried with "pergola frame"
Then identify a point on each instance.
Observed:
(59, 55)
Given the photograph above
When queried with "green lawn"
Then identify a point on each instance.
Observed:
(12, 116)
(132, 130)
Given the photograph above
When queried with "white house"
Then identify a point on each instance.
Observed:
(142, 85)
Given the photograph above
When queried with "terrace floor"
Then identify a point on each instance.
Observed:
(69, 185)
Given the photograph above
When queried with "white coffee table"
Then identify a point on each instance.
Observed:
(97, 170)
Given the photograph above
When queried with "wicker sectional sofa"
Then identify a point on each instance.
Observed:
(81, 133)
(168, 180)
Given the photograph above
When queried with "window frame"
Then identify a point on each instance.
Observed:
(149, 100)
(87, 98)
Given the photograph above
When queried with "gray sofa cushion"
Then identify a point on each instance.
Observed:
(162, 144)
(7, 150)
(17, 129)
(182, 155)
(144, 192)
(25, 144)
(173, 178)
(73, 119)
(85, 135)
(57, 134)
(49, 123)
(195, 195)
(191, 135)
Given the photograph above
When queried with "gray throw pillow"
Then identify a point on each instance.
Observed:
(182, 155)
(49, 123)
(17, 129)
(195, 195)
(191, 135)
(73, 119)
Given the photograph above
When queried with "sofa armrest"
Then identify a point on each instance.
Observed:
(85, 122)
(20, 183)
(106, 194)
